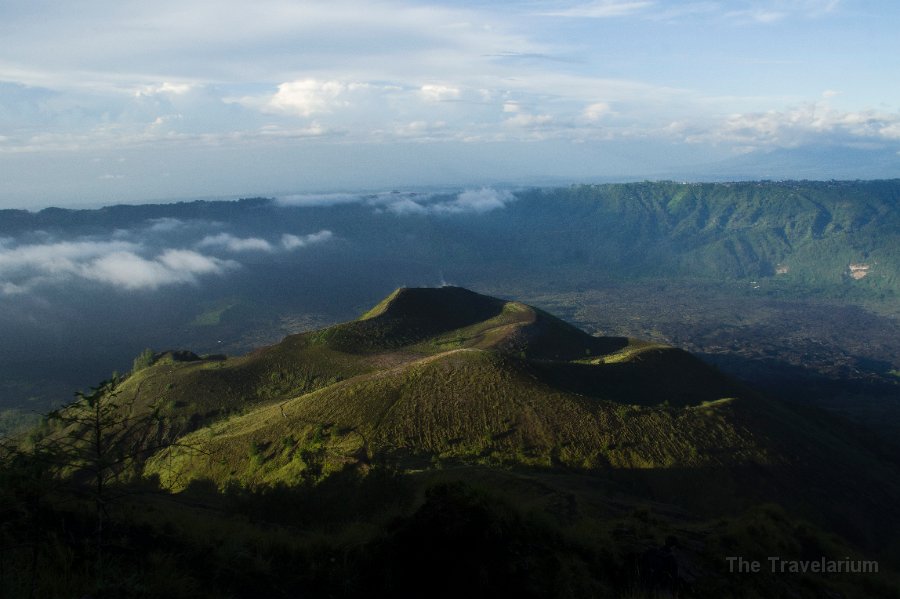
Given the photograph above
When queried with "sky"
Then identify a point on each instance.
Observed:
(123, 101)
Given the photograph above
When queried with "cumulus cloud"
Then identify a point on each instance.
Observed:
(810, 123)
(358, 72)
(117, 263)
(130, 271)
(307, 97)
(439, 93)
(165, 88)
(57, 258)
(291, 242)
(236, 244)
(596, 111)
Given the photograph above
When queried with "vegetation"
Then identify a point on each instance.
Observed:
(745, 243)
(143, 360)
(446, 442)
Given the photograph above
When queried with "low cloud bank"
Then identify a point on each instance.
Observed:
(131, 264)
(117, 263)
(482, 200)
(236, 244)
(473, 201)
(130, 271)
(288, 242)
(291, 242)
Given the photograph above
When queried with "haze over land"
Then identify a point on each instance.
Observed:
(105, 102)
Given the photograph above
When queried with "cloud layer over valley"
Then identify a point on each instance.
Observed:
(470, 201)
(137, 253)
(133, 259)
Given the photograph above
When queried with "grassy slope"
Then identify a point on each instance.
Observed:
(466, 376)
(488, 392)
(606, 445)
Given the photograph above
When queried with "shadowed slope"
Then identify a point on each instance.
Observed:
(448, 374)
(447, 382)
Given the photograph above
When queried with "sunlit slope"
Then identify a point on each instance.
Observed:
(464, 404)
(450, 376)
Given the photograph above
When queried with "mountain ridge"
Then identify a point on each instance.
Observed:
(446, 417)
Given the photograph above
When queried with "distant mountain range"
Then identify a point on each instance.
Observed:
(803, 234)
(805, 162)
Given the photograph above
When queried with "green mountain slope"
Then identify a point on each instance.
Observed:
(831, 237)
(448, 376)
(443, 431)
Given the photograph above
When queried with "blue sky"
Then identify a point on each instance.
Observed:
(108, 101)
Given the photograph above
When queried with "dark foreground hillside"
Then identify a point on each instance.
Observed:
(446, 443)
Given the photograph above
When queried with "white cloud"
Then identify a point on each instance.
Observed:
(406, 206)
(236, 244)
(164, 88)
(890, 131)
(57, 258)
(758, 16)
(187, 261)
(307, 97)
(525, 120)
(282, 79)
(810, 123)
(165, 224)
(130, 271)
(439, 93)
(116, 263)
(774, 11)
(291, 242)
(255, 244)
(596, 111)
(7, 288)
(603, 9)
(467, 202)
(478, 201)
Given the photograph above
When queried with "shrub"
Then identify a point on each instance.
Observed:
(143, 360)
